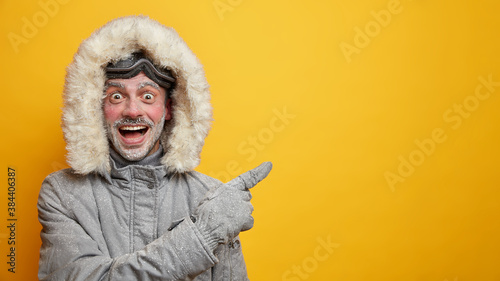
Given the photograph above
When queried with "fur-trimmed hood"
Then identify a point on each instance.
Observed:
(83, 119)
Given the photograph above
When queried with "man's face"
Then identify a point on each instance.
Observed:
(135, 111)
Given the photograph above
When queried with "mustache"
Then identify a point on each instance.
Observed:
(133, 121)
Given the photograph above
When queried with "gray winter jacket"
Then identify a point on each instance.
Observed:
(101, 222)
(132, 224)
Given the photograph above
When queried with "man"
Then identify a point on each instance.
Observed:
(136, 112)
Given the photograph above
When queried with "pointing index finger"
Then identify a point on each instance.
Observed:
(250, 178)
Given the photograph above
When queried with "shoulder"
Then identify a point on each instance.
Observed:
(64, 186)
(64, 174)
(197, 180)
(202, 177)
(65, 179)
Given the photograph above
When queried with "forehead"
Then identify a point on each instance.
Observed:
(140, 80)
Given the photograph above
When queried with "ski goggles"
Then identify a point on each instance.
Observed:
(130, 67)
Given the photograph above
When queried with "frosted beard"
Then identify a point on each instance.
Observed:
(152, 134)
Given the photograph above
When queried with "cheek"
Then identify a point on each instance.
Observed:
(156, 113)
(111, 113)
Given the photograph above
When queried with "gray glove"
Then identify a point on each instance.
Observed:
(226, 210)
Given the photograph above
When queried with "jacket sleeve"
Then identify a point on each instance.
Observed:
(69, 252)
(232, 265)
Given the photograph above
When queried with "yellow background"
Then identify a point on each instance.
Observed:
(351, 117)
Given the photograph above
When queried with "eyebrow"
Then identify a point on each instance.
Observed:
(148, 83)
(113, 84)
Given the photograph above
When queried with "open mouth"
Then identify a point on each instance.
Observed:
(133, 132)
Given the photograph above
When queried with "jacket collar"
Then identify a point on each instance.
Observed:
(149, 169)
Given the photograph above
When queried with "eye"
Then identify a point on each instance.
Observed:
(115, 97)
(148, 96)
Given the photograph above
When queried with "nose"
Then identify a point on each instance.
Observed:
(133, 109)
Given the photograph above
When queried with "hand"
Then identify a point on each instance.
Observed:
(226, 210)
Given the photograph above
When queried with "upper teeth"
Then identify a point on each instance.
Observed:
(133, 128)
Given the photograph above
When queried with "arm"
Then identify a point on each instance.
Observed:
(232, 264)
(223, 214)
(71, 252)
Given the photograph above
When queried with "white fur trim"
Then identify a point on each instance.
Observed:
(83, 120)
